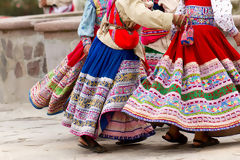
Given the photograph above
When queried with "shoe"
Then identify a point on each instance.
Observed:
(210, 142)
(181, 138)
(94, 148)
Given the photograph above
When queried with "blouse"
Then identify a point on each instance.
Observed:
(86, 27)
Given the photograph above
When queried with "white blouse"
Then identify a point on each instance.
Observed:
(222, 10)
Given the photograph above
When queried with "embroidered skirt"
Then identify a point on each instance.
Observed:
(55, 88)
(104, 85)
(193, 87)
(152, 58)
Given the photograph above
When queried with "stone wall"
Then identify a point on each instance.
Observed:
(22, 62)
(31, 46)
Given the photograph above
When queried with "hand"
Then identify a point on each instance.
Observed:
(43, 3)
(237, 39)
(86, 49)
(179, 20)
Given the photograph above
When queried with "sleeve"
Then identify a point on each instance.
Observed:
(181, 8)
(86, 27)
(223, 16)
(169, 5)
(137, 12)
(57, 2)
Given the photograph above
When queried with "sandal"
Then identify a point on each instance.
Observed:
(210, 142)
(94, 148)
(126, 142)
(181, 138)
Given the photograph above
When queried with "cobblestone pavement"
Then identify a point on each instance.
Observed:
(29, 134)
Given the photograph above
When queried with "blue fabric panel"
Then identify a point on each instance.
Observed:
(103, 61)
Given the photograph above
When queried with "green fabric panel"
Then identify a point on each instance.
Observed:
(150, 50)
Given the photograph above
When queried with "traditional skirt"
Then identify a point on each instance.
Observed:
(152, 58)
(55, 88)
(104, 85)
(193, 87)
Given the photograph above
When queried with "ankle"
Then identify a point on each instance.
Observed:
(201, 136)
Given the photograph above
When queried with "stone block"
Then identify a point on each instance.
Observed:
(33, 68)
(39, 50)
(18, 70)
(17, 53)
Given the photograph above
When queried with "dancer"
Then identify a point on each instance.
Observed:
(110, 75)
(55, 88)
(195, 87)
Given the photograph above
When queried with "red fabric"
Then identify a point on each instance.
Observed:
(206, 46)
(136, 27)
(73, 8)
(114, 17)
(50, 9)
(198, 2)
(122, 37)
(77, 54)
(151, 35)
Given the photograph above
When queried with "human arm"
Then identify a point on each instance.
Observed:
(137, 12)
(237, 39)
(86, 27)
(223, 16)
(180, 10)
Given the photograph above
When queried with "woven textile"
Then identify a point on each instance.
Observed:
(193, 87)
(104, 85)
(55, 88)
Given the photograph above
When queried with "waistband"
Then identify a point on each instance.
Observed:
(200, 15)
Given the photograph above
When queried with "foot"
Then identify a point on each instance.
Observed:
(125, 142)
(175, 138)
(90, 144)
(209, 141)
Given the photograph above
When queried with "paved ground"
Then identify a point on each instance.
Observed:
(29, 134)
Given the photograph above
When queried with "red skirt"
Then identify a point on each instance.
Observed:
(193, 87)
